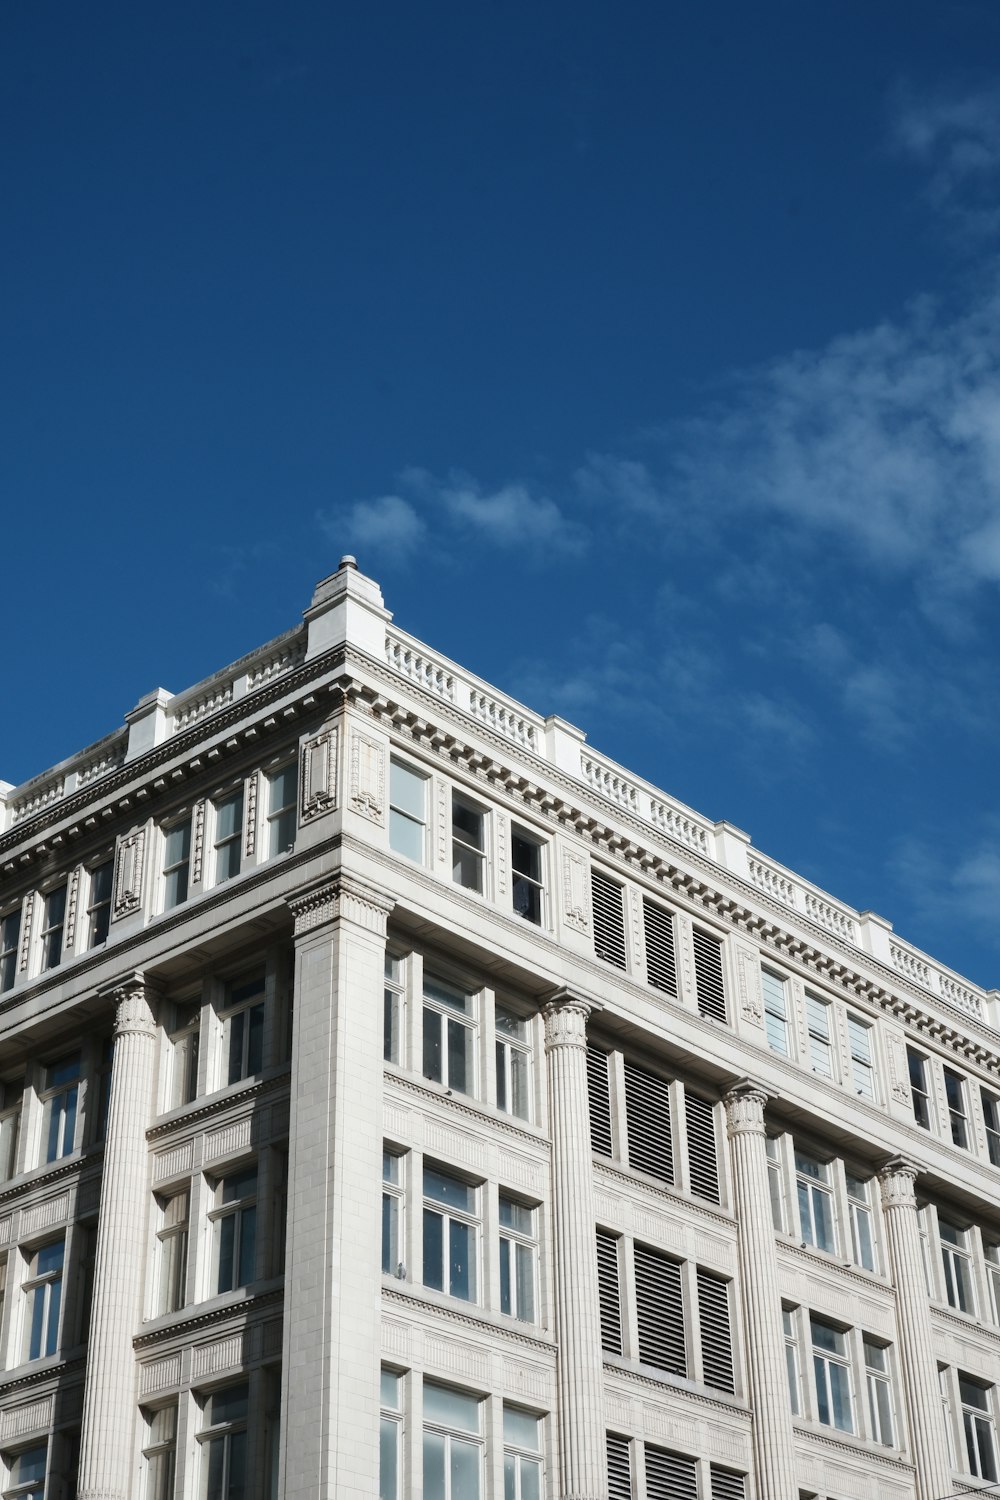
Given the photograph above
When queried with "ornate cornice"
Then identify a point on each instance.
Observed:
(465, 1106)
(619, 1173)
(733, 1407)
(858, 1449)
(817, 1260)
(54, 1374)
(239, 1315)
(30, 1181)
(482, 1326)
(210, 1107)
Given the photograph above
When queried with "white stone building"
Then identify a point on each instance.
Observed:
(690, 1173)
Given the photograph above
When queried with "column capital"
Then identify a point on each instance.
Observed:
(745, 1101)
(897, 1179)
(133, 996)
(340, 895)
(566, 1015)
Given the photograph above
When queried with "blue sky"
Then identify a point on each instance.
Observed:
(647, 355)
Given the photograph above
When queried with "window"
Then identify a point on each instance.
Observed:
(468, 844)
(279, 1211)
(958, 1114)
(859, 1208)
(919, 1090)
(451, 1228)
(660, 1311)
(619, 1467)
(992, 1253)
(282, 789)
(228, 841)
(775, 1011)
(236, 1229)
(792, 1360)
(453, 1450)
(815, 1201)
(522, 1462)
(243, 1028)
(11, 1096)
(702, 1149)
(647, 1107)
(658, 933)
(859, 1036)
(979, 1424)
(609, 919)
(670, 1475)
(176, 863)
(776, 1183)
(26, 1473)
(185, 1036)
(527, 882)
(449, 1036)
(99, 903)
(991, 1120)
(390, 1433)
(407, 811)
(102, 1088)
(43, 1290)
(392, 1211)
(392, 1024)
(716, 1331)
(59, 1098)
(599, 1096)
(223, 1440)
(518, 1259)
(832, 1372)
(879, 1392)
(160, 1453)
(10, 934)
(957, 1261)
(513, 1059)
(708, 975)
(610, 1291)
(172, 1236)
(818, 1024)
(53, 920)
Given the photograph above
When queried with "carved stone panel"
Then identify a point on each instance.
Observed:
(367, 791)
(576, 890)
(129, 863)
(319, 775)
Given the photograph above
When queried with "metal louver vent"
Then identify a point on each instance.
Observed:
(670, 1476)
(609, 919)
(708, 975)
(716, 1337)
(703, 1161)
(607, 1276)
(660, 1311)
(728, 1486)
(619, 1468)
(600, 1101)
(661, 967)
(647, 1107)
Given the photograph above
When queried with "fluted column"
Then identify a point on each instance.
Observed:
(773, 1444)
(109, 1394)
(333, 1280)
(928, 1441)
(578, 1308)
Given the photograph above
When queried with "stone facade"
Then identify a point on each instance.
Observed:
(690, 1173)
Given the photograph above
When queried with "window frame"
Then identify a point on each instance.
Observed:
(771, 1014)
(959, 1122)
(391, 1426)
(522, 1250)
(508, 1047)
(818, 1037)
(170, 869)
(810, 1190)
(918, 1063)
(221, 1432)
(394, 1008)
(468, 1019)
(46, 1285)
(52, 934)
(172, 1264)
(400, 816)
(525, 886)
(242, 1211)
(826, 1359)
(159, 1449)
(979, 1421)
(521, 1455)
(25, 1489)
(991, 1124)
(463, 848)
(880, 1388)
(224, 845)
(243, 1015)
(10, 946)
(68, 1120)
(394, 1210)
(863, 1065)
(957, 1266)
(98, 909)
(452, 1435)
(468, 1220)
(277, 818)
(11, 1116)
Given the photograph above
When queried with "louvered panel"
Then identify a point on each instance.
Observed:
(607, 1275)
(600, 1101)
(609, 919)
(661, 967)
(647, 1108)
(708, 975)
(728, 1486)
(670, 1476)
(660, 1311)
(619, 1468)
(716, 1335)
(703, 1161)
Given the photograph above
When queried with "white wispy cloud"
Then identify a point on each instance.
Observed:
(955, 139)
(387, 526)
(511, 516)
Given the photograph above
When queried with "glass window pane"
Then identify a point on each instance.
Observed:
(459, 1056)
(520, 1428)
(461, 1261)
(464, 1470)
(434, 1447)
(445, 1189)
(389, 1389)
(446, 994)
(433, 1055)
(388, 1477)
(406, 790)
(406, 836)
(433, 1250)
(451, 1408)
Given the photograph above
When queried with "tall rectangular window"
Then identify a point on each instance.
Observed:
(647, 1112)
(658, 935)
(11, 1098)
(235, 1220)
(53, 922)
(407, 811)
(513, 1063)
(958, 1109)
(609, 919)
(708, 978)
(59, 1099)
(184, 1036)
(176, 863)
(818, 1023)
(449, 1036)
(392, 1213)
(172, 1237)
(43, 1292)
(660, 1311)
(702, 1148)
(859, 1206)
(775, 1011)
(228, 840)
(979, 1425)
(243, 1028)
(792, 1360)
(390, 1435)
(920, 1095)
(451, 1235)
(527, 882)
(160, 1453)
(10, 935)
(879, 1385)
(393, 1002)
(26, 1473)
(99, 903)
(522, 1455)
(956, 1257)
(776, 1183)
(223, 1441)
(599, 1096)
(716, 1330)
(518, 1259)
(859, 1036)
(468, 844)
(832, 1372)
(282, 789)
(609, 1288)
(991, 1120)
(991, 1250)
(815, 1199)
(453, 1449)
